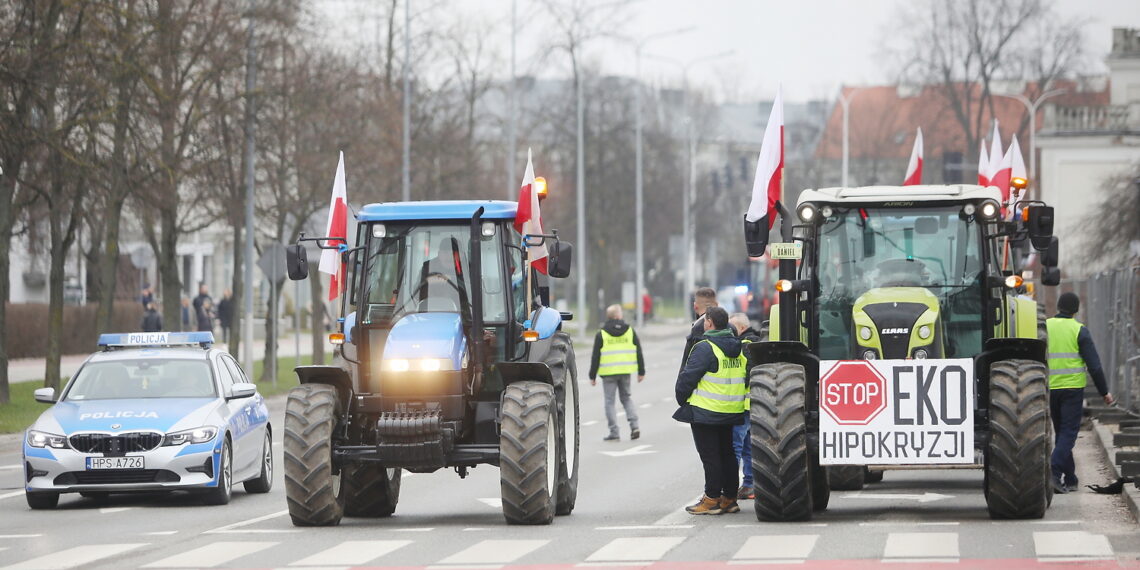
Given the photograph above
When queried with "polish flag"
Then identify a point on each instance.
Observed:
(995, 155)
(528, 218)
(1017, 170)
(914, 169)
(337, 231)
(983, 165)
(1001, 177)
(769, 183)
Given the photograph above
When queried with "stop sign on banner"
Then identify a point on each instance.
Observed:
(853, 392)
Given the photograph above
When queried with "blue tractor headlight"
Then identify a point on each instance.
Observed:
(416, 364)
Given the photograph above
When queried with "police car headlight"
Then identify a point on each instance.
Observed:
(865, 333)
(44, 439)
(924, 332)
(197, 435)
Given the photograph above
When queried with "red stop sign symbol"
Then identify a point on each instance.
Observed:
(853, 392)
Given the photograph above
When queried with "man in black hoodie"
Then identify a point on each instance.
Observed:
(713, 397)
(615, 349)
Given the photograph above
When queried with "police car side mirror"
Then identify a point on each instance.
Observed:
(297, 262)
(44, 395)
(242, 390)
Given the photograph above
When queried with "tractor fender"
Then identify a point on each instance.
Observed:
(334, 376)
(1008, 349)
(784, 351)
(512, 372)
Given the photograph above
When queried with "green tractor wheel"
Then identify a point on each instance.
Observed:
(847, 477)
(781, 466)
(1017, 459)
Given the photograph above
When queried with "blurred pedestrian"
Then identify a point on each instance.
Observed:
(146, 296)
(1072, 359)
(226, 314)
(203, 295)
(646, 304)
(616, 356)
(151, 319)
(206, 315)
(741, 438)
(187, 312)
(713, 398)
(704, 298)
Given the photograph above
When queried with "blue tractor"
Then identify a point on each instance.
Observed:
(448, 358)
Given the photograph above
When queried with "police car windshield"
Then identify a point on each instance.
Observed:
(149, 378)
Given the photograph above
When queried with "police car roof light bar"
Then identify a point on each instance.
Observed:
(156, 339)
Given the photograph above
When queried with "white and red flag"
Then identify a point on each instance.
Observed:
(1017, 170)
(914, 168)
(528, 218)
(337, 228)
(1002, 176)
(769, 181)
(995, 155)
(983, 165)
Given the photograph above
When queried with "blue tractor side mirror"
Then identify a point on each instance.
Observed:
(297, 262)
(561, 255)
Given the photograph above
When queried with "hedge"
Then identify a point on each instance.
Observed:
(27, 326)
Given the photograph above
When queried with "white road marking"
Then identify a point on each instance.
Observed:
(782, 548)
(474, 529)
(493, 502)
(415, 529)
(589, 423)
(13, 466)
(635, 450)
(649, 527)
(667, 399)
(74, 557)
(645, 405)
(494, 552)
(230, 527)
(1066, 546)
(211, 555)
(923, 498)
(640, 549)
(162, 533)
(109, 510)
(677, 516)
(12, 494)
(921, 547)
(1050, 522)
(352, 553)
(943, 523)
(20, 535)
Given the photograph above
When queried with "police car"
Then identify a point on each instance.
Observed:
(150, 412)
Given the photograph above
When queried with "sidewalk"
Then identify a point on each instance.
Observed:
(30, 369)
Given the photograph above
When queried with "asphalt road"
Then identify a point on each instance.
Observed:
(629, 513)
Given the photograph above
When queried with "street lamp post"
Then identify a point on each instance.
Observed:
(639, 193)
(845, 102)
(406, 187)
(1031, 108)
(512, 191)
(691, 180)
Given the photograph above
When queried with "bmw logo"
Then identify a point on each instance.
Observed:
(116, 426)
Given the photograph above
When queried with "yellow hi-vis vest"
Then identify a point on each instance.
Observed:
(618, 354)
(1066, 367)
(722, 391)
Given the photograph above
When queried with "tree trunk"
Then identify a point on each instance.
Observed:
(8, 189)
(166, 255)
(117, 193)
(55, 299)
(237, 283)
(269, 365)
(317, 316)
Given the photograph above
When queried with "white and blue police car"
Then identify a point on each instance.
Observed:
(150, 412)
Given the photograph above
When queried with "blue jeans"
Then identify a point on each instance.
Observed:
(742, 445)
(1065, 405)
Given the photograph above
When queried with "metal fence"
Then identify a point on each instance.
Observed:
(1110, 308)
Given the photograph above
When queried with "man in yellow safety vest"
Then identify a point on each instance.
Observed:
(713, 396)
(1072, 359)
(616, 357)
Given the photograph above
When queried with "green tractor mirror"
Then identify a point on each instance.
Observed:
(1039, 224)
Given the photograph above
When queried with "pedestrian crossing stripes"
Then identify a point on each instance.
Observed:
(916, 548)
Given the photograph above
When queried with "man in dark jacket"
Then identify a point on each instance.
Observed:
(226, 314)
(741, 442)
(1072, 360)
(615, 348)
(704, 298)
(151, 320)
(713, 398)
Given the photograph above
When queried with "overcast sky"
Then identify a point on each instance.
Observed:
(809, 46)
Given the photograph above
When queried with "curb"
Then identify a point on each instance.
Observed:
(1130, 494)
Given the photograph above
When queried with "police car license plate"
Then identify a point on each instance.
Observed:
(95, 463)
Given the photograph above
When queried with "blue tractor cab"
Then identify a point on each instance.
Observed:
(451, 359)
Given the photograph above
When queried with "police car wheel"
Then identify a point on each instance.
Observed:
(264, 481)
(39, 501)
(221, 494)
(1017, 459)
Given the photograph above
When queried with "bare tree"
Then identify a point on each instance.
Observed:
(1113, 240)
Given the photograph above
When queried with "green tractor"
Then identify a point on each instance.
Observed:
(902, 338)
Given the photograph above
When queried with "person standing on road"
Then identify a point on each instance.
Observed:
(704, 298)
(203, 296)
(226, 314)
(1072, 359)
(151, 320)
(617, 355)
(186, 314)
(714, 398)
(741, 440)
(206, 316)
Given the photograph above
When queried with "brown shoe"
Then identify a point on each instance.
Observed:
(705, 506)
(728, 505)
